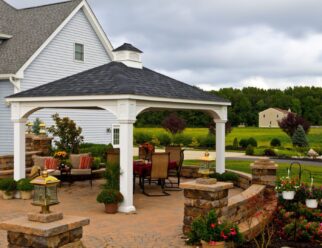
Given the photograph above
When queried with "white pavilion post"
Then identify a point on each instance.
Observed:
(126, 113)
(220, 146)
(19, 149)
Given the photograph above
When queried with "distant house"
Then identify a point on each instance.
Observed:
(270, 117)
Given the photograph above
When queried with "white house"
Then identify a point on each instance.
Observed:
(45, 43)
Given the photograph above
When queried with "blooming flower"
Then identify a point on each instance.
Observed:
(212, 225)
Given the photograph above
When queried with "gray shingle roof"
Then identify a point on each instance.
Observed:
(30, 28)
(115, 78)
(127, 47)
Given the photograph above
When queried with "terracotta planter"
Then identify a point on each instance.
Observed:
(111, 208)
(25, 195)
(8, 195)
(311, 203)
(216, 245)
(288, 195)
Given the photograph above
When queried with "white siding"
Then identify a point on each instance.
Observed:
(6, 126)
(57, 61)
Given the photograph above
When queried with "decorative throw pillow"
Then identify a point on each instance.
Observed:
(85, 162)
(51, 164)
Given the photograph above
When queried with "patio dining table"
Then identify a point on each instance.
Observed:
(142, 169)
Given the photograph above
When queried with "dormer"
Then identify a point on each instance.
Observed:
(128, 55)
(4, 37)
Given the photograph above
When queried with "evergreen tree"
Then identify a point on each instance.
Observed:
(299, 137)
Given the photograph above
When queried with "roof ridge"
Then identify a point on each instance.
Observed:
(49, 4)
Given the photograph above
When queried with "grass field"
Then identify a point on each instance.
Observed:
(244, 166)
(262, 135)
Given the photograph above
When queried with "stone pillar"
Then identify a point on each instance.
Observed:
(19, 149)
(42, 143)
(201, 198)
(220, 146)
(264, 173)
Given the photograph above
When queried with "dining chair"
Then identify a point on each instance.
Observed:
(177, 155)
(158, 172)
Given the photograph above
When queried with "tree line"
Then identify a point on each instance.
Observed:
(247, 103)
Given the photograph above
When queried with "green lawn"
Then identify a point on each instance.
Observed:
(244, 166)
(262, 135)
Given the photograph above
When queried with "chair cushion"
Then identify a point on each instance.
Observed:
(39, 161)
(51, 164)
(75, 159)
(85, 162)
(81, 172)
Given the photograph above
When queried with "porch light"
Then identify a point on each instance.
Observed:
(205, 169)
(42, 127)
(29, 127)
(45, 193)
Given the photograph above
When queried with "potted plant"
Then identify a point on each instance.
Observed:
(111, 198)
(25, 188)
(312, 197)
(211, 232)
(62, 157)
(8, 187)
(288, 187)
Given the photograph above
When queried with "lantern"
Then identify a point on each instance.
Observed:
(205, 169)
(42, 127)
(45, 192)
(29, 127)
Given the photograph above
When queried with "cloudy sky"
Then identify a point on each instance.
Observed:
(219, 43)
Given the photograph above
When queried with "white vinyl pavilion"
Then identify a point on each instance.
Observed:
(125, 88)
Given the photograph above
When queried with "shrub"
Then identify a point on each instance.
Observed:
(208, 228)
(194, 142)
(141, 138)
(96, 163)
(24, 185)
(68, 134)
(96, 150)
(165, 139)
(108, 196)
(276, 142)
(243, 143)
(227, 176)
(8, 185)
(112, 176)
(299, 138)
(155, 141)
(181, 139)
(208, 141)
(290, 123)
(249, 150)
(270, 152)
(235, 144)
(174, 124)
(252, 142)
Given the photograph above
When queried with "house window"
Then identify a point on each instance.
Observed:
(277, 116)
(264, 116)
(79, 52)
(116, 136)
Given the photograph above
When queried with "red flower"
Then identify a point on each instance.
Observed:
(212, 225)
(222, 234)
(233, 231)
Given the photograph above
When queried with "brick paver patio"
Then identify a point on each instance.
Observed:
(157, 222)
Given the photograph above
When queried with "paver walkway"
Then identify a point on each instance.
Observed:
(157, 223)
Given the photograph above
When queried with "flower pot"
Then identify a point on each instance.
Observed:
(25, 195)
(17, 195)
(311, 203)
(212, 245)
(288, 195)
(8, 195)
(111, 208)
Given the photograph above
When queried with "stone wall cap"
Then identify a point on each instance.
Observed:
(219, 186)
(23, 225)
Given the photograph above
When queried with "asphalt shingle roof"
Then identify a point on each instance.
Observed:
(29, 28)
(115, 78)
(127, 47)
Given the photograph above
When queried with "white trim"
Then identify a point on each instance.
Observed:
(113, 97)
(5, 36)
(6, 76)
(92, 19)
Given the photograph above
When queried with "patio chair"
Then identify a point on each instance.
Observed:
(40, 162)
(158, 173)
(177, 155)
(113, 156)
(82, 167)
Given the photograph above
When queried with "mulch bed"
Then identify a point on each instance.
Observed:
(277, 243)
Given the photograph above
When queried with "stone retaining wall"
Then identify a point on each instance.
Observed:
(241, 209)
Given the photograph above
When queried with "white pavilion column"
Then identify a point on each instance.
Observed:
(220, 146)
(126, 164)
(19, 149)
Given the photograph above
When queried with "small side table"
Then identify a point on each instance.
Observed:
(65, 175)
